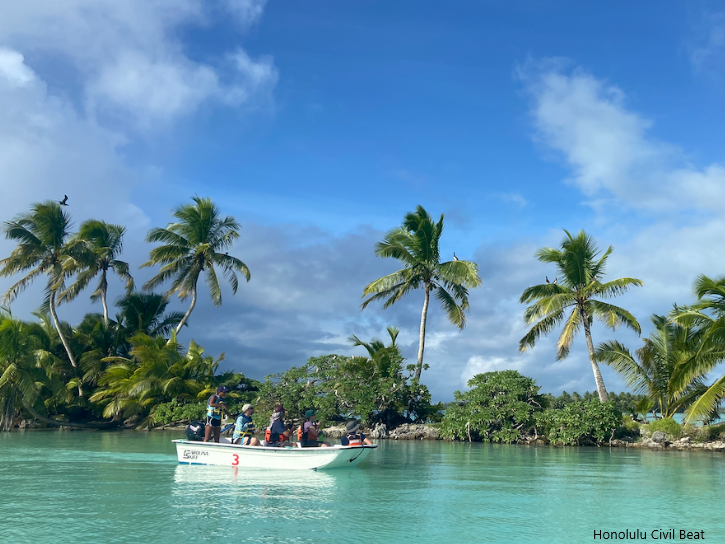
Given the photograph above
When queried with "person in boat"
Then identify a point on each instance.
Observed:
(244, 428)
(309, 432)
(215, 406)
(353, 436)
(277, 434)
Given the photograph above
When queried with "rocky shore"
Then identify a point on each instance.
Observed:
(659, 440)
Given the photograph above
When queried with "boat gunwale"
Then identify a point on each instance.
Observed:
(316, 451)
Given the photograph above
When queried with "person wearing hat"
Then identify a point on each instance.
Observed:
(215, 405)
(353, 436)
(309, 432)
(244, 428)
(277, 434)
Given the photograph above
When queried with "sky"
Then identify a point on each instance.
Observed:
(320, 124)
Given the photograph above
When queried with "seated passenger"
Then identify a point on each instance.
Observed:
(244, 428)
(309, 432)
(277, 434)
(353, 436)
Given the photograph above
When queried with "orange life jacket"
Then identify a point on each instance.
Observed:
(311, 433)
(354, 440)
(270, 437)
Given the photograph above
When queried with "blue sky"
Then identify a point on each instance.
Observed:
(320, 124)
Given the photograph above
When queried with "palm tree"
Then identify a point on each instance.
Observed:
(155, 372)
(655, 369)
(144, 313)
(417, 245)
(194, 245)
(104, 242)
(42, 249)
(20, 373)
(576, 287)
(383, 359)
(708, 316)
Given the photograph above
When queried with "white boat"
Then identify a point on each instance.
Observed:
(289, 458)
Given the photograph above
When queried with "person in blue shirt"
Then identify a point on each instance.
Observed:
(244, 428)
(215, 406)
(353, 436)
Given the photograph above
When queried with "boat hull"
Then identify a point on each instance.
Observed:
(226, 454)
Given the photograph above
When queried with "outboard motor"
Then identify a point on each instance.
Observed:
(195, 431)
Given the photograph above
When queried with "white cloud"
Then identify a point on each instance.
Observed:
(128, 57)
(246, 11)
(608, 146)
(479, 365)
(47, 150)
(13, 70)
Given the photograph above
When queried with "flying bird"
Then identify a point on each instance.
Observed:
(454, 256)
(64, 202)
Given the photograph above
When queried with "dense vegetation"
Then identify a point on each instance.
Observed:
(128, 367)
(504, 406)
(377, 388)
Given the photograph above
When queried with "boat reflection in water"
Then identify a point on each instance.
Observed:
(240, 495)
(244, 477)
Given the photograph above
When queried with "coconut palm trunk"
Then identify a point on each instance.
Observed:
(601, 388)
(421, 344)
(104, 294)
(62, 337)
(8, 410)
(188, 312)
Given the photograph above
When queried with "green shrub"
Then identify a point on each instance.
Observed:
(667, 425)
(177, 412)
(499, 407)
(585, 422)
(628, 428)
(714, 432)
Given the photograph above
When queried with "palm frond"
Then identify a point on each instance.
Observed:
(542, 327)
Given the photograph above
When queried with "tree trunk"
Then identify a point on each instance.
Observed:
(56, 423)
(188, 312)
(421, 344)
(8, 410)
(601, 389)
(63, 339)
(104, 292)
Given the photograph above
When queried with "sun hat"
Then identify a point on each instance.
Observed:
(310, 413)
(278, 408)
(222, 389)
(247, 407)
(352, 426)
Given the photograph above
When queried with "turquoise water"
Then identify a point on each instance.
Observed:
(61, 487)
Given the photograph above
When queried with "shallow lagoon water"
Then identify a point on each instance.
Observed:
(61, 487)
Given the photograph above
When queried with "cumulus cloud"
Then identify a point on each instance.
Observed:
(608, 146)
(47, 149)
(128, 60)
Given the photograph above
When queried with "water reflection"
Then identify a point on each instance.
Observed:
(235, 496)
